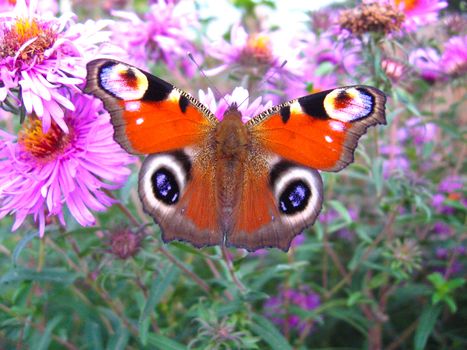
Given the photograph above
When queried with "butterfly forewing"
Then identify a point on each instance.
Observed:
(320, 131)
(149, 115)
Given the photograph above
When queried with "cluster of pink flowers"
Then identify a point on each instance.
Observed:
(64, 154)
(164, 35)
(280, 309)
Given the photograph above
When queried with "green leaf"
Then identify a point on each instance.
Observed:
(425, 325)
(269, 333)
(378, 280)
(119, 340)
(93, 336)
(46, 338)
(143, 331)
(350, 317)
(436, 279)
(377, 173)
(163, 343)
(324, 69)
(451, 303)
(341, 209)
(455, 283)
(56, 275)
(354, 298)
(158, 288)
(21, 245)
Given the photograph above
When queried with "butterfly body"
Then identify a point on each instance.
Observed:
(208, 181)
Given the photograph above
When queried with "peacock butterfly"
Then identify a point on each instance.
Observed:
(249, 185)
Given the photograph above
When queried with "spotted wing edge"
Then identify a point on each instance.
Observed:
(286, 225)
(156, 90)
(314, 105)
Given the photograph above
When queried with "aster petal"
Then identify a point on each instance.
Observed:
(3, 93)
(79, 210)
(27, 100)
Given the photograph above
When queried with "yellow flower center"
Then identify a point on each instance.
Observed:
(43, 147)
(257, 50)
(409, 5)
(22, 31)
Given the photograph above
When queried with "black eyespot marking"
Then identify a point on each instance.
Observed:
(183, 103)
(185, 161)
(165, 186)
(158, 89)
(285, 114)
(313, 105)
(294, 198)
(278, 169)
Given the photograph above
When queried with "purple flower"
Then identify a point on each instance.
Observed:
(393, 69)
(278, 308)
(41, 172)
(345, 56)
(451, 184)
(418, 12)
(40, 55)
(325, 60)
(426, 62)
(454, 58)
(417, 132)
(42, 6)
(330, 216)
(163, 34)
(396, 161)
(442, 229)
(239, 96)
(255, 54)
(450, 188)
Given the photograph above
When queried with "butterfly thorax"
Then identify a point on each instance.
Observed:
(231, 138)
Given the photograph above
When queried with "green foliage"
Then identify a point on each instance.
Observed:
(443, 289)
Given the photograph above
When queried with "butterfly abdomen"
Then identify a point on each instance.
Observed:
(231, 140)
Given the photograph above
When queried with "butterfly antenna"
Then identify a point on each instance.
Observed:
(217, 93)
(262, 82)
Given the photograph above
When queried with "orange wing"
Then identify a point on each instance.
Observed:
(149, 115)
(178, 193)
(275, 205)
(320, 131)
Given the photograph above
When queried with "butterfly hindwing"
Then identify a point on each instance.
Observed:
(180, 196)
(320, 131)
(149, 115)
(276, 205)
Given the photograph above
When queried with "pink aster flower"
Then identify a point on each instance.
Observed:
(239, 96)
(163, 34)
(255, 54)
(280, 308)
(327, 62)
(419, 12)
(43, 6)
(427, 63)
(454, 58)
(40, 172)
(41, 54)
